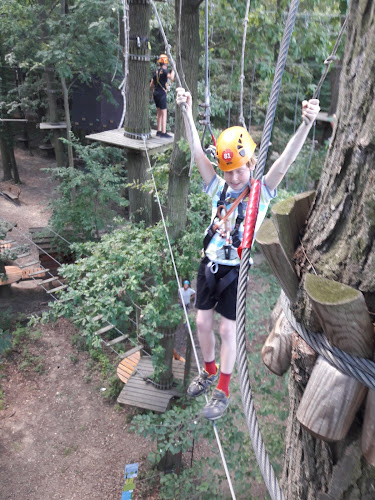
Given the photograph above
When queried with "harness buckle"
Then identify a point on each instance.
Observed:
(213, 267)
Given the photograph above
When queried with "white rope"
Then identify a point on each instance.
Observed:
(242, 77)
(186, 315)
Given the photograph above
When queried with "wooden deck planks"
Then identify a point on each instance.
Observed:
(137, 392)
(117, 138)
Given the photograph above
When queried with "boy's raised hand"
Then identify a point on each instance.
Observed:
(183, 97)
(310, 110)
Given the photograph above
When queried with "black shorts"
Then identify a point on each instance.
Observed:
(160, 98)
(226, 302)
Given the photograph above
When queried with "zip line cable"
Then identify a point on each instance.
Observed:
(241, 118)
(251, 216)
(186, 315)
(252, 209)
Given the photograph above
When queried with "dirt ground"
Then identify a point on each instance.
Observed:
(59, 437)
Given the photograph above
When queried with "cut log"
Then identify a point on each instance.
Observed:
(13, 275)
(368, 430)
(289, 217)
(277, 349)
(332, 399)
(282, 266)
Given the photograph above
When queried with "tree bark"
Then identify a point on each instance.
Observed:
(137, 118)
(188, 45)
(339, 245)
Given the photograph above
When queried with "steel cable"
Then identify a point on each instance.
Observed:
(247, 399)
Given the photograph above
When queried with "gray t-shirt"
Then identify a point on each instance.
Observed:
(186, 294)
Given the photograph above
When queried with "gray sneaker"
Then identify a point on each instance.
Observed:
(216, 406)
(201, 383)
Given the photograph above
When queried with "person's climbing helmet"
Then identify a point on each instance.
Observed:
(163, 59)
(234, 148)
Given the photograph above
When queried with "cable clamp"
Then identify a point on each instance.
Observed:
(330, 59)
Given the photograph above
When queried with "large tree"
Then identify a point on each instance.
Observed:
(339, 244)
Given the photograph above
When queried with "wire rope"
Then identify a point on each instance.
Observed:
(186, 315)
(246, 393)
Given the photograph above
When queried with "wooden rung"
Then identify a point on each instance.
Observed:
(54, 278)
(23, 255)
(62, 287)
(132, 351)
(103, 330)
(6, 242)
(28, 264)
(98, 317)
(116, 340)
(35, 273)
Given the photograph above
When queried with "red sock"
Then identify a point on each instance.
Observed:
(210, 367)
(223, 384)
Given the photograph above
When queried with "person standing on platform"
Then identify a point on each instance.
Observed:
(159, 85)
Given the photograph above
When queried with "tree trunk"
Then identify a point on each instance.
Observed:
(53, 115)
(10, 171)
(67, 120)
(188, 45)
(137, 118)
(339, 245)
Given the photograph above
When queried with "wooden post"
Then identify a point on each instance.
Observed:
(368, 430)
(331, 399)
(289, 217)
(282, 266)
(277, 349)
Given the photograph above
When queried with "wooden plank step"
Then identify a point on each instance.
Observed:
(26, 273)
(127, 366)
(6, 242)
(54, 278)
(35, 273)
(62, 287)
(117, 340)
(28, 264)
(132, 351)
(104, 329)
(98, 317)
(23, 255)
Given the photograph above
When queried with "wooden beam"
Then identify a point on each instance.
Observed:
(289, 217)
(368, 430)
(132, 351)
(104, 329)
(331, 398)
(117, 340)
(282, 266)
(57, 289)
(277, 350)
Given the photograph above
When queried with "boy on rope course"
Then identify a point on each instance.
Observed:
(159, 84)
(218, 272)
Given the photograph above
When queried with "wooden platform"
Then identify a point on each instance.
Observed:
(117, 138)
(51, 125)
(141, 394)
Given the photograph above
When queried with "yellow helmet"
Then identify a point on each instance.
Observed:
(234, 148)
(163, 59)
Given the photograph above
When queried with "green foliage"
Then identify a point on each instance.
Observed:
(88, 199)
(181, 428)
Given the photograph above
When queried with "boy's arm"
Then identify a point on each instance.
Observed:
(171, 75)
(274, 176)
(151, 83)
(204, 165)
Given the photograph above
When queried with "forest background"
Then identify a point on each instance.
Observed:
(52, 46)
